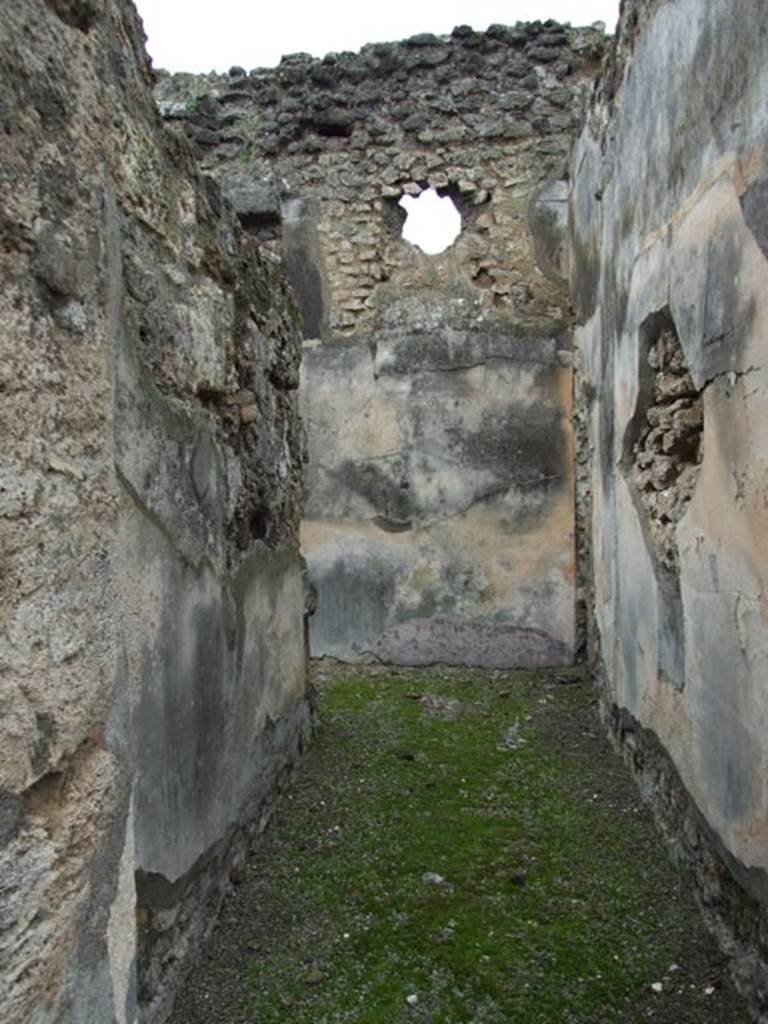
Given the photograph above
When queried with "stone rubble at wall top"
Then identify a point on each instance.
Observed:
(332, 144)
(506, 83)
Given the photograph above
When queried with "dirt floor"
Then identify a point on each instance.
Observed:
(459, 846)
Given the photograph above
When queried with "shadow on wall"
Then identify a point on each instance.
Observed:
(303, 264)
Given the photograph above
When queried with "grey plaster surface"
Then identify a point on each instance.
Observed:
(437, 490)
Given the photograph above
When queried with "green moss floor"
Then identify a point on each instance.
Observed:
(459, 847)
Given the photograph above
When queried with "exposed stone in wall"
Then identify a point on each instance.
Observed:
(666, 457)
(437, 390)
(484, 117)
(668, 214)
(152, 687)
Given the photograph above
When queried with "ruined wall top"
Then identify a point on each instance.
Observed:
(634, 15)
(316, 153)
(504, 83)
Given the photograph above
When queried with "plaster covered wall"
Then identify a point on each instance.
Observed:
(669, 218)
(152, 651)
(436, 390)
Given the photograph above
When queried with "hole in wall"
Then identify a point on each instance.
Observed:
(333, 130)
(265, 226)
(432, 223)
(259, 522)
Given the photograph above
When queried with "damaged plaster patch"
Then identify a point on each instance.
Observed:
(667, 453)
(662, 454)
(754, 205)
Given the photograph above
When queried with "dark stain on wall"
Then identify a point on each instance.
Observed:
(354, 598)
(182, 725)
(11, 816)
(518, 444)
(302, 261)
(721, 320)
(389, 494)
(754, 204)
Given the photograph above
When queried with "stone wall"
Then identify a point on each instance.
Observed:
(152, 596)
(152, 651)
(669, 258)
(437, 389)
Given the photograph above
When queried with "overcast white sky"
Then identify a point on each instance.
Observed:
(207, 35)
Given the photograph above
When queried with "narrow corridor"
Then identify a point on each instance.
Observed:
(459, 846)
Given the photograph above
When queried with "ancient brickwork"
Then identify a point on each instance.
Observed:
(152, 594)
(669, 271)
(437, 390)
(486, 117)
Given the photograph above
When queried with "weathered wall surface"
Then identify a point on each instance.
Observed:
(670, 279)
(152, 594)
(437, 390)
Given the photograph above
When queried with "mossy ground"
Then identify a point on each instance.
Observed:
(555, 904)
